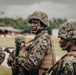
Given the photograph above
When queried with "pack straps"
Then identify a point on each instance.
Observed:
(51, 68)
(29, 42)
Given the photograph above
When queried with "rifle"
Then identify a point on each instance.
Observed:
(18, 43)
(50, 71)
(8, 51)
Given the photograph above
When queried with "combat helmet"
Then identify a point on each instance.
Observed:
(67, 30)
(20, 38)
(39, 15)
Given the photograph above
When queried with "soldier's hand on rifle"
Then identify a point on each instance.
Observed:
(15, 63)
(10, 59)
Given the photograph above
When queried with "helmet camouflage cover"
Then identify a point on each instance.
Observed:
(40, 16)
(20, 38)
(67, 30)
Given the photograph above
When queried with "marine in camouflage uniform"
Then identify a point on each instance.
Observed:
(40, 46)
(67, 64)
(67, 33)
(2, 55)
(11, 62)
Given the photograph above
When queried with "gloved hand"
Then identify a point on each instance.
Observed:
(10, 59)
(14, 64)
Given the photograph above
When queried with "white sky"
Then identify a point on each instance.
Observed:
(54, 8)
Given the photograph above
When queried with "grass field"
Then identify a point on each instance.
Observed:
(5, 71)
(9, 42)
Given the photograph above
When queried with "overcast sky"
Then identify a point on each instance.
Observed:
(54, 8)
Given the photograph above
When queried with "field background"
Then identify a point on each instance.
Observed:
(9, 42)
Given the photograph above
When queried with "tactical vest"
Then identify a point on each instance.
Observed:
(49, 58)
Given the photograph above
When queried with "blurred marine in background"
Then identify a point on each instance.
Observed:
(16, 68)
(2, 55)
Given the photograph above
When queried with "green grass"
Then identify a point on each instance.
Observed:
(5, 71)
(58, 50)
(9, 42)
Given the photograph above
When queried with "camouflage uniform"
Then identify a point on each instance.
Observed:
(68, 32)
(2, 55)
(38, 49)
(67, 64)
(21, 39)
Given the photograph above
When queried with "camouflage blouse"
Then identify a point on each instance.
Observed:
(2, 55)
(68, 66)
(37, 50)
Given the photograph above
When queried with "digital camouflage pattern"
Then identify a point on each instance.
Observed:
(21, 39)
(68, 66)
(37, 50)
(39, 15)
(67, 30)
(2, 55)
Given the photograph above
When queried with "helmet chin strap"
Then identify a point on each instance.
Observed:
(66, 47)
(69, 48)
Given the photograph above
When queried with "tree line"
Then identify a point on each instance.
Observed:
(23, 24)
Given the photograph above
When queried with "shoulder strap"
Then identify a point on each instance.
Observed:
(50, 69)
(29, 42)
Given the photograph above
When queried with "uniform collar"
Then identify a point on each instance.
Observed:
(41, 33)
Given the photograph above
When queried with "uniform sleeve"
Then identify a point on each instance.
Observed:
(37, 54)
(69, 66)
(2, 56)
